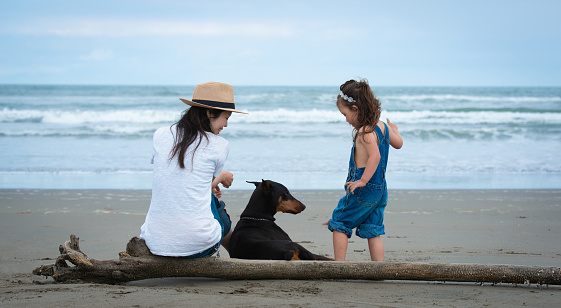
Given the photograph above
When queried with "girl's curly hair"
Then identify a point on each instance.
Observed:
(369, 107)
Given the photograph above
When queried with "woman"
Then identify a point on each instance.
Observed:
(185, 218)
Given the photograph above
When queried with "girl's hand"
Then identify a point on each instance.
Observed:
(392, 125)
(396, 141)
(351, 186)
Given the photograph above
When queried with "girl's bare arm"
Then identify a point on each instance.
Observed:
(395, 138)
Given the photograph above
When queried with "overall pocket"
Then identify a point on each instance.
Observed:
(369, 196)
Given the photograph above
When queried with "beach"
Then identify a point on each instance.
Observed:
(85, 85)
(516, 227)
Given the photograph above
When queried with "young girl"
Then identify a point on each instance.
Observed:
(185, 219)
(366, 192)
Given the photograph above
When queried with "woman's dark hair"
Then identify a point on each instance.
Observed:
(194, 122)
(368, 105)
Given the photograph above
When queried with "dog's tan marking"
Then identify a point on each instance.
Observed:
(289, 206)
(295, 254)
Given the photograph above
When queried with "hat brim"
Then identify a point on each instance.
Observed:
(195, 104)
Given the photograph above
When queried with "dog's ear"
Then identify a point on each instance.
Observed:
(266, 186)
(254, 183)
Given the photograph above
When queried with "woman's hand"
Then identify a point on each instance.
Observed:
(217, 192)
(226, 178)
(351, 186)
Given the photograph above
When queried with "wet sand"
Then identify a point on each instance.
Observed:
(518, 227)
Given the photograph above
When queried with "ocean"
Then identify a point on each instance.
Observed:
(100, 137)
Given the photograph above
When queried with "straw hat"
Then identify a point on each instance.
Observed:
(214, 95)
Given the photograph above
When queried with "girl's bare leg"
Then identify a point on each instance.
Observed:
(376, 247)
(340, 243)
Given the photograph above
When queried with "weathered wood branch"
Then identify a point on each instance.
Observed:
(138, 263)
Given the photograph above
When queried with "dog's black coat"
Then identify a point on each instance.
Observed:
(257, 236)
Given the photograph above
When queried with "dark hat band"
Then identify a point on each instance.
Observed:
(215, 104)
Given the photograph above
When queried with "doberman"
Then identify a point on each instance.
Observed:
(257, 236)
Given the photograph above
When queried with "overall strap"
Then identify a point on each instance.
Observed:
(380, 134)
(352, 158)
(386, 136)
(385, 143)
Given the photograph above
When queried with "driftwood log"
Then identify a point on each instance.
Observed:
(138, 263)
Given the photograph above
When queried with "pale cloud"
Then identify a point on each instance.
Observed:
(249, 53)
(38, 70)
(98, 55)
(142, 27)
(50, 69)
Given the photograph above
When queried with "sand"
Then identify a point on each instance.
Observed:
(518, 227)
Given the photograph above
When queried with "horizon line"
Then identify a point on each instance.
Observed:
(275, 85)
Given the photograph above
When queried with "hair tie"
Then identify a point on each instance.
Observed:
(347, 98)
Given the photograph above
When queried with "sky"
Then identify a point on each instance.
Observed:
(308, 43)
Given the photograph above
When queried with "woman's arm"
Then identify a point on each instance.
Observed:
(225, 178)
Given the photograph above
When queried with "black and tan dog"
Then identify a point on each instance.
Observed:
(257, 236)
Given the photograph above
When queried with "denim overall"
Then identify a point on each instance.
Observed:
(364, 210)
